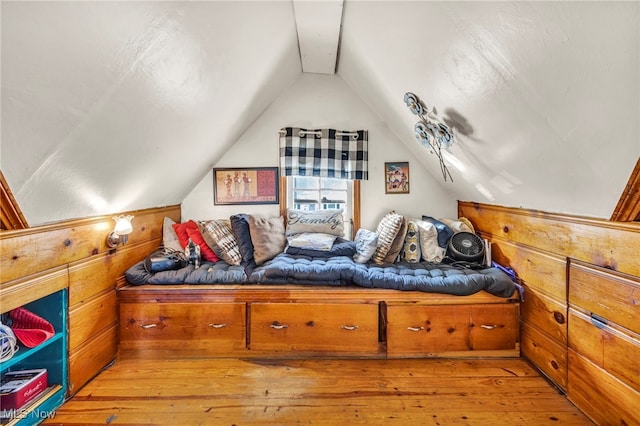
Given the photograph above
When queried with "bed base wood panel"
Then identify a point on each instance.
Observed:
(301, 321)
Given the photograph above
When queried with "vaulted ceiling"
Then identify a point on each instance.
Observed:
(113, 106)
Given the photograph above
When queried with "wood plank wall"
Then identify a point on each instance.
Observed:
(540, 247)
(77, 249)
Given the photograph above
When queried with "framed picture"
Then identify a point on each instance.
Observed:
(396, 178)
(249, 185)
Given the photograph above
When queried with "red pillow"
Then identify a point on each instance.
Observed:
(181, 231)
(205, 251)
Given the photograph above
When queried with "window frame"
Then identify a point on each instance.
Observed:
(355, 202)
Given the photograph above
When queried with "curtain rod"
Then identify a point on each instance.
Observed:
(318, 133)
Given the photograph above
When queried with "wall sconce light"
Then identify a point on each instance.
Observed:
(430, 132)
(121, 231)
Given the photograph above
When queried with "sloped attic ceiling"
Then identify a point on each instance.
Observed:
(113, 106)
(544, 96)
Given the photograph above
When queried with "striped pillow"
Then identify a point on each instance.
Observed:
(387, 231)
(217, 234)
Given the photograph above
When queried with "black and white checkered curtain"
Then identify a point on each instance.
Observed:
(324, 153)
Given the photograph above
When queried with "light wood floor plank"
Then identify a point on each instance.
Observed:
(323, 392)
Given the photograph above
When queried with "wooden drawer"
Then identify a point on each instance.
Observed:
(545, 313)
(338, 328)
(448, 330)
(543, 272)
(606, 347)
(90, 318)
(605, 399)
(87, 361)
(206, 327)
(608, 294)
(545, 353)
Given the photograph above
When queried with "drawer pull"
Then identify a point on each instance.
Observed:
(277, 326)
(145, 326)
(415, 328)
(217, 325)
(488, 327)
(598, 321)
(350, 327)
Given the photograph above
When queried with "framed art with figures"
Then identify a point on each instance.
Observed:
(245, 185)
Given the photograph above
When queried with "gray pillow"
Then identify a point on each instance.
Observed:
(267, 236)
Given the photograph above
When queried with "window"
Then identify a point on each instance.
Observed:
(315, 193)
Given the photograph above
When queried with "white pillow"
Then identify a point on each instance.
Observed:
(312, 241)
(429, 248)
(169, 236)
(366, 243)
(321, 221)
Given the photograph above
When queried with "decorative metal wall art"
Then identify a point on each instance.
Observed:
(430, 132)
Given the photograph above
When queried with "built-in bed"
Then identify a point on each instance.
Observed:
(301, 304)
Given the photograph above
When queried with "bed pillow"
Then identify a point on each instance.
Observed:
(205, 251)
(411, 249)
(341, 247)
(312, 241)
(444, 232)
(240, 230)
(458, 225)
(169, 237)
(366, 243)
(267, 236)
(218, 235)
(430, 250)
(321, 221)
(181, 231)
(398, 242)
(387, 231)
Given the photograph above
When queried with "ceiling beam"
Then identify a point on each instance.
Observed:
(318, 23)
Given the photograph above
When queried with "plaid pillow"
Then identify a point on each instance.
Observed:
(217, 234)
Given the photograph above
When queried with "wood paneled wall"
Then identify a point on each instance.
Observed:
(76, 250)
(540, 247)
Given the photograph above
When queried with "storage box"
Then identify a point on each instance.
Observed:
(17, 388)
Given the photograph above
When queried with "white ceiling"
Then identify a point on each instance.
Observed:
(113, 106)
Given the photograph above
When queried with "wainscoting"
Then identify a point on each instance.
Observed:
(588, 349)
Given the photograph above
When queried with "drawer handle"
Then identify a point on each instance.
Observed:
(145, 326)
(217, 325)
(350, 327)
(488, 326)
(278, 326)
(598, 321)
(415, 328)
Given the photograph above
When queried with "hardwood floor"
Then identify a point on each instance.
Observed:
(319, 391)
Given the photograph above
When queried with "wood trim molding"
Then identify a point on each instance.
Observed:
(628, 208)
(11, 216)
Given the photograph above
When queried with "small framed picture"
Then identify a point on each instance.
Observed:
(396, 178)
(249, 185)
